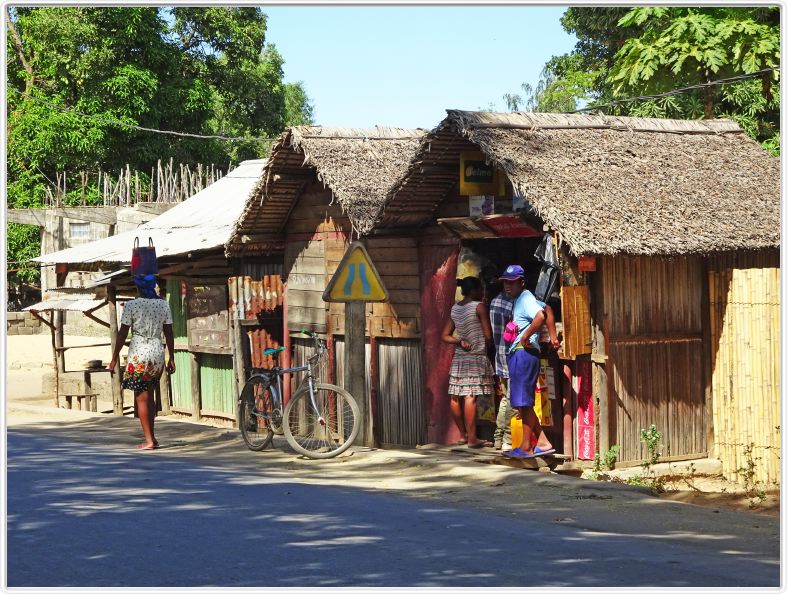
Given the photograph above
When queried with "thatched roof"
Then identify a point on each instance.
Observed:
(359, 166)
(610, 185)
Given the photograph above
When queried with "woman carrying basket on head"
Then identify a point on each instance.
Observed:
(147, 317)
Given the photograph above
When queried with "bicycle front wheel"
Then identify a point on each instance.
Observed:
(327, 430)
(257, 413)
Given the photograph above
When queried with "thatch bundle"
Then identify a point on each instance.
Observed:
(359, 167)
(613, 185)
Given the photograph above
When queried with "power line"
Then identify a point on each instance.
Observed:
(723, 81)
(113, 122)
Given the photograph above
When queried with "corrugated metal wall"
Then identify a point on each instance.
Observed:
(215, 373)
(400, 397)
(181, 379)
(745, 321)
(257, 269)
(655, 344)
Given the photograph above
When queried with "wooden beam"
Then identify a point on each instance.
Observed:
(36, 216)
(96, 320)
(41, 318)
(117, 389)
(52, 330)
(196, 390)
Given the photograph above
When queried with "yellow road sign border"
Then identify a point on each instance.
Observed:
(354, 245)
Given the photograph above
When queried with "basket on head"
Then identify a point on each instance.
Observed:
(143, 259)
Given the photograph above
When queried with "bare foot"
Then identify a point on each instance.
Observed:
(147, 446)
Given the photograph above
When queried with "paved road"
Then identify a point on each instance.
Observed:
(98, 515)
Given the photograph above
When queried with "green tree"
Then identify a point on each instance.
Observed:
(628, 52)
(198, 70)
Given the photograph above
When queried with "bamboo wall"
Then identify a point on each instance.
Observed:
(745, 333)
(654, 340)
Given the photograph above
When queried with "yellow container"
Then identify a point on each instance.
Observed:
(516, 432)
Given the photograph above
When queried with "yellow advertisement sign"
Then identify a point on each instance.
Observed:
(477, 178)
(356, 278)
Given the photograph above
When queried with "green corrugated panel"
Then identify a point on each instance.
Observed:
(181, 381)
(216, 383)
(178, 306)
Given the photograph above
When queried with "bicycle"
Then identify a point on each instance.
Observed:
(320, 420)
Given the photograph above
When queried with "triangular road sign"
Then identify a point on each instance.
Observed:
(356, 278)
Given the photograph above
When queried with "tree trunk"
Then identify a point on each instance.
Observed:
(20, 50)
(707, 95)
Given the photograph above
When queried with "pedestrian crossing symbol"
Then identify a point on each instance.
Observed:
(356, 278)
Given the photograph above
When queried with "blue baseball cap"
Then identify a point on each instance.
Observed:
(513, 272)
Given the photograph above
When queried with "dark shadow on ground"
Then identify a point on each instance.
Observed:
(85, 509)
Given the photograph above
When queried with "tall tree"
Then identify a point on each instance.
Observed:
(629, 52)
(204, 71)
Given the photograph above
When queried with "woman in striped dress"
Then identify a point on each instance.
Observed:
(471, 373)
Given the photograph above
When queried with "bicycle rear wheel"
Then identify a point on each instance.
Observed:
(327, 431)
(257, 413)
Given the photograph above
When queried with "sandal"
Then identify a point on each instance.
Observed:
(480, 444)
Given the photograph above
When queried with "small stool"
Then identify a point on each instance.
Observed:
(90, 402)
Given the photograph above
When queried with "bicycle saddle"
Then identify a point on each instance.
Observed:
(272, 351)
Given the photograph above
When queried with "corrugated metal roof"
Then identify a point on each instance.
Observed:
(66, 305)
(202, 222)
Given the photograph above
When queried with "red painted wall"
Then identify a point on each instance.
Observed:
(438, 259)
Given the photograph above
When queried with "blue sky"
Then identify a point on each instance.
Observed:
(404, 66)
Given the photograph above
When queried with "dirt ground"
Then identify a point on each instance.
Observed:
(30, 357)
(714, 491)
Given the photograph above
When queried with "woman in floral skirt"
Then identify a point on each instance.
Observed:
(471, 372)
(146, 317)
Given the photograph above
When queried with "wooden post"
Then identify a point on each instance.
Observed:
(568, 412)
(90, 401)
(61, 354)
(238, 359)
(55, 364)
(286, 356)
(355, 365)
(117, 389)
(601, 392)
(374, 376)
(196, 391)
(165, 393)
(707, 356)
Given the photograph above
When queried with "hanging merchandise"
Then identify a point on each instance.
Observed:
(550, 269)
(143, 259)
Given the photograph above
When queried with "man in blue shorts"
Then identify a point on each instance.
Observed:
(524, 363)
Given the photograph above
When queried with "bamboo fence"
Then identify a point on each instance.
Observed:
(744, 316)
(168, 182)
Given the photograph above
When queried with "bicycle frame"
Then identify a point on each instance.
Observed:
(278, 372)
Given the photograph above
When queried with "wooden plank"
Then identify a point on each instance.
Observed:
(308, 265)
(312, 299)
(397, 269)
(395, 310)
(316, 212)
(577, 339)
(117, 390)
(317, 224)
(306, 282)
(394, 254)
(376, 243)
(195, 386)
(401, 297)
(394, 283)
(303, 315)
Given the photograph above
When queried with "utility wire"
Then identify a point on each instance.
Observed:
(113, 122)
(723, 81)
